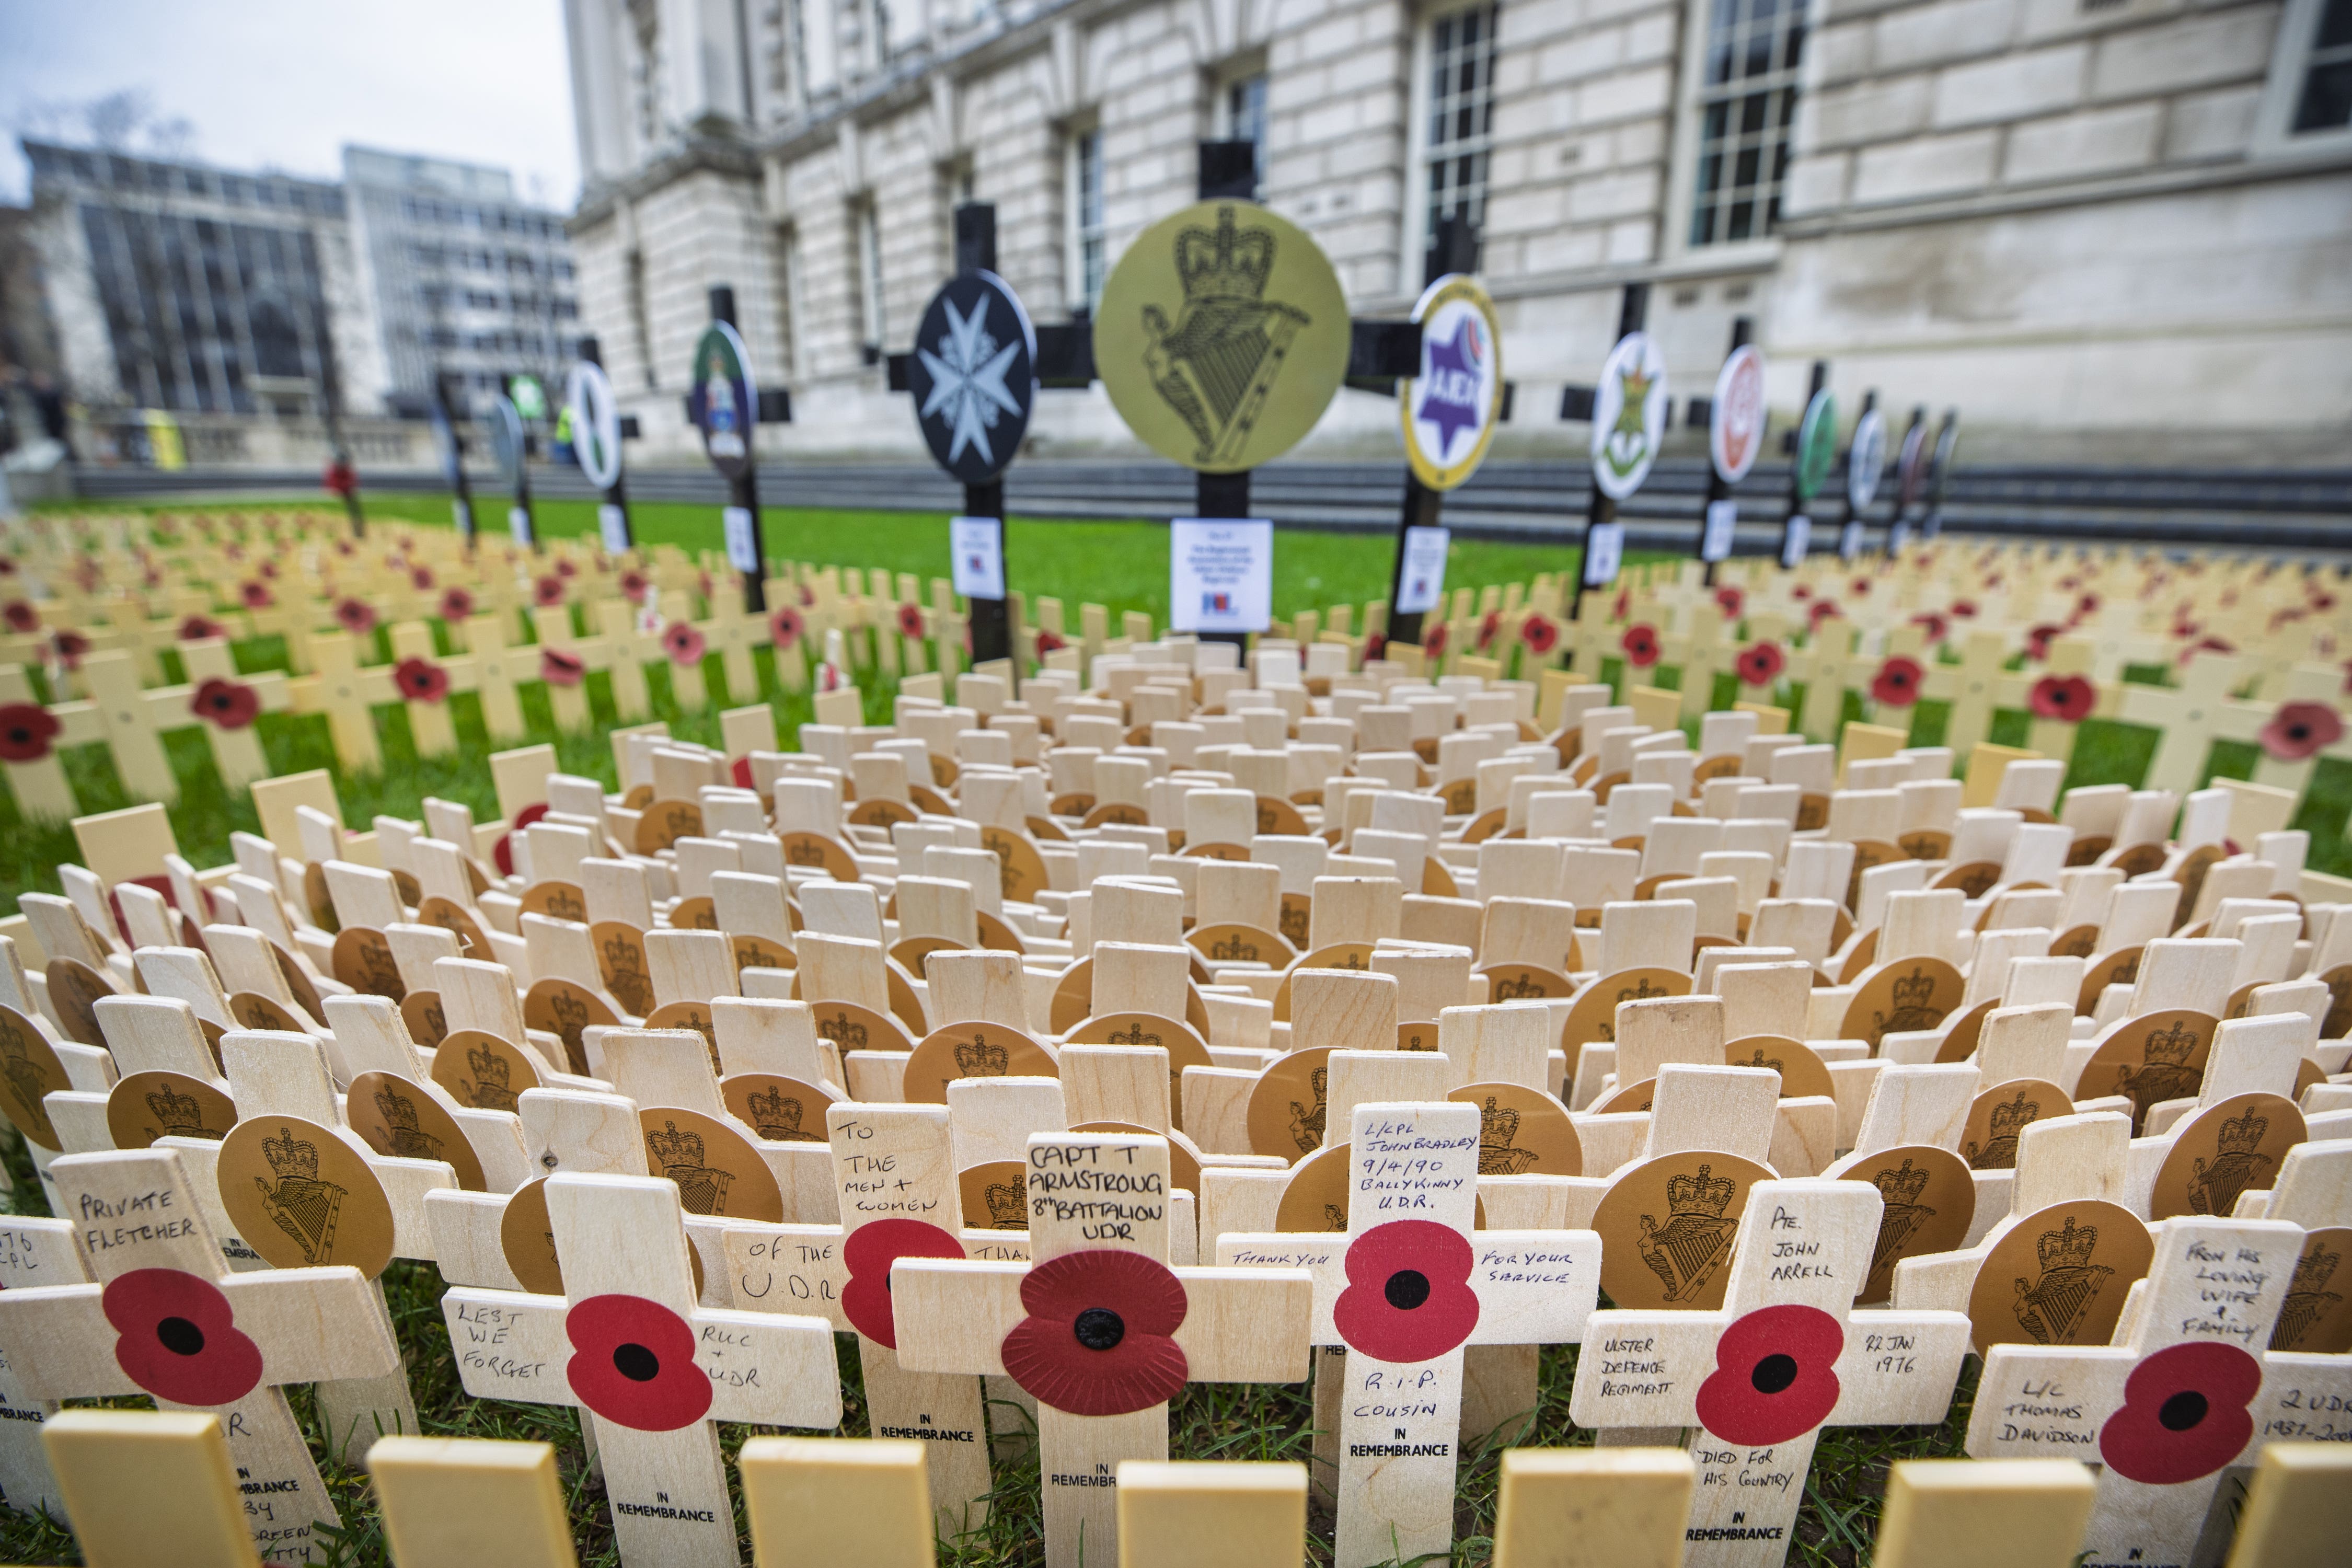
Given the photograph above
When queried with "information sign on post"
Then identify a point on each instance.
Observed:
(1219, 574)
(725, 407)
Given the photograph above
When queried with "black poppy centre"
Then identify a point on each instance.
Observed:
(635, 1361)
(1774, 1373)
(1098, 1328)
(1406, 1289)
(2183, 1411)
(180, 1336)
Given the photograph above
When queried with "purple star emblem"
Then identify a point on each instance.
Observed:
(1450, 401)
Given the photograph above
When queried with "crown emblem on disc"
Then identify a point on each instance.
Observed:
(1903, 1186)
(293, 1159)
(982, 1058)
(1700, 1195)
(1007, 1206)
(180, 1114)
(2172, 1048)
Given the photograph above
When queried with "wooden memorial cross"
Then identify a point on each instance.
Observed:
(1097, 1327)
(2188, 1388)
(1787, 1354)
(1943, 1513)
(626, 1342)
(32, 1252)
(1234, 1514)
(454, 1502)
(144, 1487)
(822, 1502)
(894, 1169)
(1592, 1508)
(166, 1318)
(1407, 1289)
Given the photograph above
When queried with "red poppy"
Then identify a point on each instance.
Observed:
(345, 547)
(683, 644)
(69, 646)
(456, 603)
(199, 626)
(2205, 644)
(502, 852)
(868, 1254)
(1801, 593)
(558, 668)
(2322, 601)
(1432, 641)
(234, 551)
(2088, 605)
(1641, 645)
(1377, 645)
(1729, 600)
(1898, 685)
(357, 616)
(634, 1363)
(1050, 642)
(739, 769)
(911, 621)
(8, 562)
(1408, 1297)
(2300, 729)
(2184, 1413)
(268, 569)
(1487, 628)
(20, 616)
(1541, 633)
(702, 584)
(633, 586)
(26, 730)
(548, 590)
(419, 681)
(1936, 626)
(564, 567)
(1624, 602)
(1822, 610)
(176, 1337)
(1862, 587)
(1775, 1376)
(828, 677)
(256, 595)
(785, 628)
(2037, 641)
(1760, 664)
(231, 704)
(2067, 696)
(1096, 1341)
(421, 578)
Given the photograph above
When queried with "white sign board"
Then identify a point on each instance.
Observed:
(1605, 551)
(1796, 542)
(1722, 523)
(1219, 574)
(613, 523)
(742, 553)
(977, 547)
(1850, 540)
(518, 523)
(1421, 583)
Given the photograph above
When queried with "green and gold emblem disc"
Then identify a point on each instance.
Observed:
(1221, 336)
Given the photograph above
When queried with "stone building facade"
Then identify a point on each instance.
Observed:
(2097, 227)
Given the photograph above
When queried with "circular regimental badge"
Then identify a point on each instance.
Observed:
(2059, 1275)
(973, 374)
(1450, 410)
(1667, 1227)
(1735, 431)
(1629, 415)
(1223, 335)
(302, 1197)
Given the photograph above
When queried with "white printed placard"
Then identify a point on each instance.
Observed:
(742, 550)
(1604, 551)
(1796, 542)
(1722, 523)
(977, 547)
(462, 514)
(1850, 540)
(613, 523)
(1219, 574)
(518, 523)
(1422, 582)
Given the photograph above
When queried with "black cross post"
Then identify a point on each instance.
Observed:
(461, 490)
(1228, 173)
(1793, 443)
(1456, 249)
(616, 494)
(1941, 474)
(1702, 414)
(1577, 403)
(991, 621)
(521, 509)
(743, 489)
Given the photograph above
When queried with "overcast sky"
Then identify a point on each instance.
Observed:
(284, 84)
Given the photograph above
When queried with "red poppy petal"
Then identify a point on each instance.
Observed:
(1408, 1297)
(868, 1254)
(2184, 1415)
(636, 1365)
(1141, 1290)
(1775, 1376)
(1049, 1362)
(177, 1337)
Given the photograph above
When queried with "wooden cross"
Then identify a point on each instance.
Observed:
(166, 1318)
(1592, 1508)
(1406, 1289)
(449, 1502)
(626, 1342)
(1787, 1355)
(1097, 1327)
(814, 1502)
(1234, 1514)
(894, 1172)
(115, 1467)
(2188, 1388)
(1942, 1511)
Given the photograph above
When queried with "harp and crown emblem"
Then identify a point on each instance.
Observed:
(2164, 1072)
(1695, 1240)
(298, 1203)
(492, 1079)
(1903, 1214)
(2307, 1298)
(982, 1058)
(1498, 1126)
(1998, 1153)
(2237, 1165)
(679, 1156)
(1216, 365)
(1307, 1121)
(179, 1115)
(776, 1116)
(409, 1141)
(2057, 1306)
